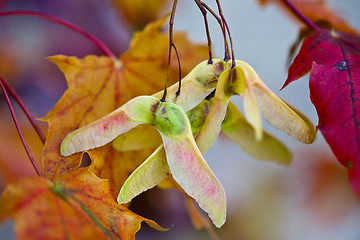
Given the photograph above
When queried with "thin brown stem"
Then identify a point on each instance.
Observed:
(179, 67)
(223, 30)
(228, 30)
(32, 160)
(171, 45)
(68, 25)
(204, 12)
(24, 108)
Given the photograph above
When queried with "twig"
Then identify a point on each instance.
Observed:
(179, 67)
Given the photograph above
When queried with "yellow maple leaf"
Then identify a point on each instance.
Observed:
(79, 207)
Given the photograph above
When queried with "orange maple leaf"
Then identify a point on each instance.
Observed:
(81, 206)
(14, 163)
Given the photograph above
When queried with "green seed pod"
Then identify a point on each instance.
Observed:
(137, 111)
(170, 120)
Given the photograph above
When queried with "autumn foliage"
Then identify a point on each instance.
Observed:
(333, 61)
(135, 136)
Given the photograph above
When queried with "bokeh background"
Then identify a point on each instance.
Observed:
(310, 199)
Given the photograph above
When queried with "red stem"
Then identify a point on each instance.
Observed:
(301, 16)
(32, 160)
(68, 25)
(24, 108)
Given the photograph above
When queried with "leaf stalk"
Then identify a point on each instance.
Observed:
(25, 109)
(32, 160)
(301, 16)
(68, 25)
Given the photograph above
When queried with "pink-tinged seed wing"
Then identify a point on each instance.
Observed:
(187, 165)
(276, 111)
(192, 173)
(137, 111)
(155, 168)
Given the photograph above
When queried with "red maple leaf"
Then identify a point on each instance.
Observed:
(334, 61)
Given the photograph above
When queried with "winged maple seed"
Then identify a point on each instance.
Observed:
(180, 155)
(207, 125)
(277, 112)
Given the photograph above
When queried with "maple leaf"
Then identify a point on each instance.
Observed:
(316, 10)
(14, 163)
(79, 207)
(98, 85)
(333, 59)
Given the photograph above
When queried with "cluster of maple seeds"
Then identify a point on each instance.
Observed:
(184, 161)
(56, 168)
